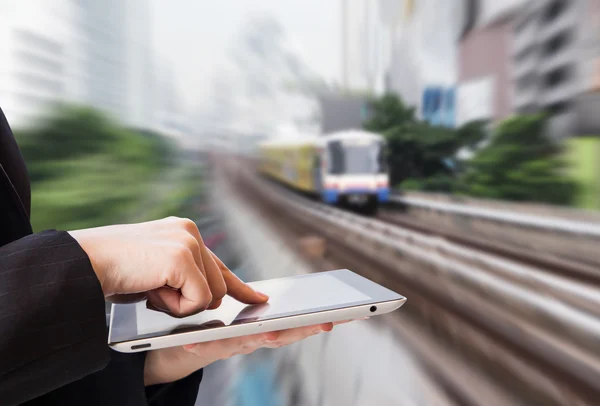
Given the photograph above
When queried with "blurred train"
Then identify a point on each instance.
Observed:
(347, 168)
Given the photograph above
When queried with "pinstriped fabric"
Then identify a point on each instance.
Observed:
(52, 323)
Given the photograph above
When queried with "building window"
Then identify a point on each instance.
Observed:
(525, 52)
(557, 42)
(558, 108)
(527, 81)
(523, 23)
(38, 42)
(529, 108)
(53, 86)
(554, 9)
(39, 62)
(556, 76)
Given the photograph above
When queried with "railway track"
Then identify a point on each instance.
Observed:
(502, 328)
(563, 244)
(571, 269)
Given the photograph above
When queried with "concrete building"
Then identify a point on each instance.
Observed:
(484, 61)
(341, 112)
(102, 45)
(85, 52)
(35, 49)
(405, 47)
(556, 54)
(423, 49)
(366, 44)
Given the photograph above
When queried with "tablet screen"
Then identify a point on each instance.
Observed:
(288, 297)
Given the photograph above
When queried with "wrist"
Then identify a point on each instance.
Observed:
(171, 364)
(84, 240)
(150, 370)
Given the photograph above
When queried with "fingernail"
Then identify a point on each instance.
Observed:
(189, 347)
(263, 296)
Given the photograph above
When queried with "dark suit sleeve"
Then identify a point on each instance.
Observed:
(52, 316)
(182, 392)
(121, 383)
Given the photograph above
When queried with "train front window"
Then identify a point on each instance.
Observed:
(355, 159)
(382, 162)
(336, 158)
(359, 159)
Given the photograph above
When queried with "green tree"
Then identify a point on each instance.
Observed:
(86, 170)
(417, 150)
(520, 163)
(389, 112)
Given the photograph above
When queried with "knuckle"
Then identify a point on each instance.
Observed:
(190, 242)
(178, 313)
(206, 299)
(188, 225)
(219, 292)
(181, 253)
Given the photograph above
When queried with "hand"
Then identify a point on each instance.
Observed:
(165, 261)
(171, 364)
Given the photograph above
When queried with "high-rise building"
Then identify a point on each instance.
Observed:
(103, 46)
(555, 54)
(35, 49)
(423, 48)
(365, 46)
(86, 52)
(484, 68)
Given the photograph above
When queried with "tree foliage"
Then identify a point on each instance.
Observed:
(520, 163)
(86, 170)
(417, 150)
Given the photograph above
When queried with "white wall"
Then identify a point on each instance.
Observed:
(425, 50)
(474, 100)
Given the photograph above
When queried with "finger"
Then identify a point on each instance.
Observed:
(240, 291)
(237, 289)
(215, 304)
(214, 277)
(228, 347)
(190, 292)
(155, 303)
(206, 262)
(335, 323)
(277, 339)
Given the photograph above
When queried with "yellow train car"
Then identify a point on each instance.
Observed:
(291, 163)
(346, 167)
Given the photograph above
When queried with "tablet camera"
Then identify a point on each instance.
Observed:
(373, 309)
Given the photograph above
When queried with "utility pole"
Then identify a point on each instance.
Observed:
(344, 44)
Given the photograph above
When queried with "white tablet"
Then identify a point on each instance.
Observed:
(295, 301)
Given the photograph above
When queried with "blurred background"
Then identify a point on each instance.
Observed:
(482, 187)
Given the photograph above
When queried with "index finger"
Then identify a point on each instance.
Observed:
(236, 288)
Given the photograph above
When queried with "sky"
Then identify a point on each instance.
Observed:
(193, 36)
